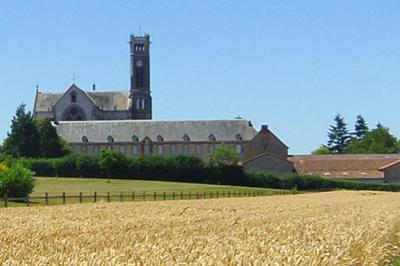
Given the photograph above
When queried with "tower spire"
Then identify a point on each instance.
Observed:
(140, 77)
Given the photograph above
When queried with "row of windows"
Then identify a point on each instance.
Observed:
(140, 104)
(168, 149)
(160, 138)
(139, 47)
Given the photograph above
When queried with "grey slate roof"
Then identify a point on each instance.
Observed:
(111, 100)
(44, 101)
(107, 100)
(123, 130)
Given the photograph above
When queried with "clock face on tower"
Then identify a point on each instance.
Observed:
(139, 63)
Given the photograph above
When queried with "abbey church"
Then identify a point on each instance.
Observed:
(122, 121)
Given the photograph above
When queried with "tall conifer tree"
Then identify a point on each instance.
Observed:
(338, 135)
(23, 139)
(361, 127)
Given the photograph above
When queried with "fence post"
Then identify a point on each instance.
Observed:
(133, 196)
(155, 195)
(27, 200)
(164, 196)
(80, 197)
(197, 195)
(95, 196)
(173, 195)
(46, 198)
(144, 195)
(121, 197)
(108, 197)
(63, 198)
(5, 200)
(181, 195)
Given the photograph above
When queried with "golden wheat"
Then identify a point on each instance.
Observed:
(333, 228)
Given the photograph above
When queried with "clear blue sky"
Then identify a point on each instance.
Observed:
(290, 64)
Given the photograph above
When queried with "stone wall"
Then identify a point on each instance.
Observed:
(200, 149)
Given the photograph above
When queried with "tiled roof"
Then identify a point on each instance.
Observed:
(124, 130)
(107, 100)
(343, 166)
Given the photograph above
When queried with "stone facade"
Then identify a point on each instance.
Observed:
(78, 105)
(137, 137)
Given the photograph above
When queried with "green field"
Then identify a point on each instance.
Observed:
(78, 190)
(55, 186)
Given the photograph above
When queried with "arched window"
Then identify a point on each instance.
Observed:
(160, 138)
(135, 139)
(74, 113)
(186, 138)
(73, 97)
(212, 138)
(138, 103)
(110, 139)
(85, 139)
(147, 147)
(238, 137)
(143, 103)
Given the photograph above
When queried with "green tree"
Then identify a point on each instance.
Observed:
(322, 150)
(50, 143)
(378, 140)
(16, 181)
(361, 127)
(223, 155)
(338, 135)
(23, 140)
(110, 162)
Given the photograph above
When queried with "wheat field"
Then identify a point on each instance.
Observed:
(332, 228)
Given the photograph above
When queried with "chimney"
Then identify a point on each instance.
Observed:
(264, 127)
(94, 87)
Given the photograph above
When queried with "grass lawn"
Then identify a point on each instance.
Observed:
(55, 186)
(81, 190)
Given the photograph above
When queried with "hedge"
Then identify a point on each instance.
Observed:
(187, 169)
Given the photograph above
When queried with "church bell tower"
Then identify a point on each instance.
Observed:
(140, 77)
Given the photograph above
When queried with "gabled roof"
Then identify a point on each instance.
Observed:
(123, 130)
(106, 100)
(344, 165)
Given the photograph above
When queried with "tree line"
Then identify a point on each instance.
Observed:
(361, 141)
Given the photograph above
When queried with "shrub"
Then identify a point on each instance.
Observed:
(66, 166)
(42, 167)
(87, 166)
(16, 181)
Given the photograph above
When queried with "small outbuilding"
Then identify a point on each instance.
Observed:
(361, 167)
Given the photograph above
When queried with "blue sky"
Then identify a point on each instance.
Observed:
(290, 64)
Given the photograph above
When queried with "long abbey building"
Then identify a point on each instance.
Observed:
(91, 120)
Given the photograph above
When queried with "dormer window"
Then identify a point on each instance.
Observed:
(135, 139)
(238, 137)
(73, 97)
(160, 138)
(212, 138)
(110, 139)
(186, 138)
(85, 139)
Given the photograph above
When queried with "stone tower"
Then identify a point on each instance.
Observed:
(140, 77)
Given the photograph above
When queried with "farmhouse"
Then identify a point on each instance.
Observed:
(122, 121)
(362, 167)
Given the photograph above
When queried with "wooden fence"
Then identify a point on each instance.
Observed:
(46, 199)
